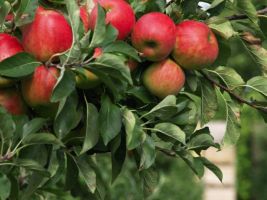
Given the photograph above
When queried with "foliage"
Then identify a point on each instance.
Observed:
(43, 158)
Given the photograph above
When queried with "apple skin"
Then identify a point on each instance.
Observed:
(87, 80)
(196, 46)
(84, 15)
(38, 88)
(9, 46)
(119, 14)
(11, 100)
(47, 35)
(154, 36)
(164, 78)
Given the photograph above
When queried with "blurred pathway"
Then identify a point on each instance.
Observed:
(225, 160)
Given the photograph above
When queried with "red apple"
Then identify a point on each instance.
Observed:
(47, 35)
(11, 100)
(84, 17)
(38, 88)
(119, 14)
(164, 78)
(9, 46)
(196, 46)
(154, 36)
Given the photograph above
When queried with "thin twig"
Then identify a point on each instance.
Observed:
(167, 152)
(244, 16)
(230, 92)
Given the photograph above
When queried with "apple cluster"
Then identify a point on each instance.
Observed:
(169, 48)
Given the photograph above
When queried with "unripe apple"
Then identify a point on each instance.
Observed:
(37, 89)
(164, 78)
(87, 80)
(154, 36)
(48, 34)
(119, 14)
(84, 17)
(11, 100)
(196, 46)
(9, 46)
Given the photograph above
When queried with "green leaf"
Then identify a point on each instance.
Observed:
(110, 120)
(150, 179)
(201, 140)
(224, 29)
(148, 153)
(212, 167)
(209, 102)
(247, 7)
(72, 174)
(259, 84)
(118, 155)
(5, 8)
(92, 132)
(87, 172)
(232, 112)
(25, 12)
(19, 65)
(5, 186)
(74, 53)
(65, 85)
(122, 47)
(229, 76)
(7, 125)
(167, 107)
(34, 181)
(135, 134)
(193, 162)
(33, 126)
(68, 115)
(42, 138)
(114, 66)
(171, 130)
(100, 28)
(31, 165)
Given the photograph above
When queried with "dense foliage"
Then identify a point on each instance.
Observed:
(43, 157)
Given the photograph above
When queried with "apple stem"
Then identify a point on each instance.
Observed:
(232, 94)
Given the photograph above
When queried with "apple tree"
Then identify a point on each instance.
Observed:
(129, 80)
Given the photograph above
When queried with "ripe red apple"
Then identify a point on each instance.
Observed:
(196, 46)
(87, 80)
(119, 14)
(154, 36)
(47, 35)
(9, 46)
(84, 17)
(11, 100)
(164, 78)
(38, 88)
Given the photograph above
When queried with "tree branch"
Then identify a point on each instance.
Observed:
(243, 16)
(167, 152)
(232, 94)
